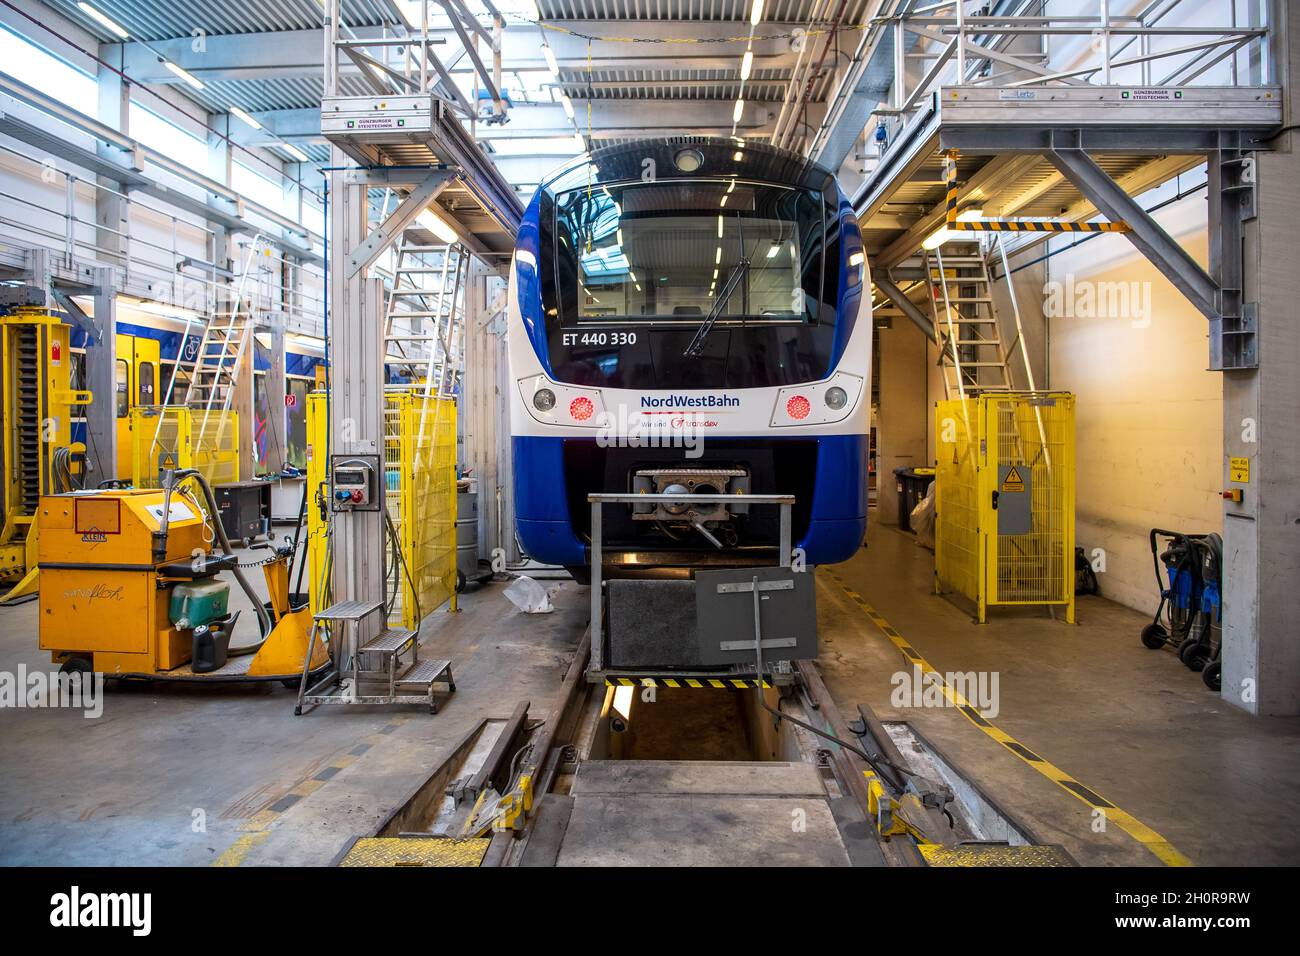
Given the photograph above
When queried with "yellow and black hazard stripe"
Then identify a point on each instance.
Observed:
(679, 681)
(953, 224)
(1161, 848)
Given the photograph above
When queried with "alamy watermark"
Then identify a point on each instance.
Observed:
(1089, 299)
(623, 428)
(921, 688)
(38, 689)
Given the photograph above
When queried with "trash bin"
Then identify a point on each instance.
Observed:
(912, 484)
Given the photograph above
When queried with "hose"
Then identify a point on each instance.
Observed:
(174, 478)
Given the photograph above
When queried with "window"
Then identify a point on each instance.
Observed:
(122, 388)
(168, 138)
(684, 249)
(28, 63)
(146, 383)
(258, 188)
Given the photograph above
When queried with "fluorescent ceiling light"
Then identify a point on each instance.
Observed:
(438, 226)
(185, 75)
(551, 64)
(239, 114)
(776, 247)
(579, 142)
(567, 104)
(756, 14)
(740, 108)
(937, 238)
(717, 259)
(295, 152)
(719, 227)
(111, 25)
(746, 64)
(972, 214)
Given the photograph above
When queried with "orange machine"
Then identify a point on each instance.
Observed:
(126, 594)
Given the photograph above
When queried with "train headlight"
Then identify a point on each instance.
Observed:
(836, 397)
(543, 399)
(688, 160)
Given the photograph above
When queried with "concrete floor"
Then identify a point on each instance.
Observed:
(1131, 724)
(193, 776)
(126, 788)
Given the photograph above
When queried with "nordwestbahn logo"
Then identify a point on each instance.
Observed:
(690, 401)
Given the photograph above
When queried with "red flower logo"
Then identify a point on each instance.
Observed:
(798, 408)
(581, 408)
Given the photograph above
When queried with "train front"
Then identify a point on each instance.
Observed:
(684, 318)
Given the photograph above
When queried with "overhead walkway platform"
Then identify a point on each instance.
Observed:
(1050, 157)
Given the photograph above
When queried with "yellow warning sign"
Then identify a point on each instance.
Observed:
(1012, 481)
(1239, 469)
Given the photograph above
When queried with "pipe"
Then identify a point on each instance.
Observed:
(174, 479)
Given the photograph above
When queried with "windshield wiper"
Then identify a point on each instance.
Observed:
(702, 333)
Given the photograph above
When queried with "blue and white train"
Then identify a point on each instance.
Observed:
(688, 315)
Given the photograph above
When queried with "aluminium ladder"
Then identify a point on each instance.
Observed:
(424, 317)
(966, 324)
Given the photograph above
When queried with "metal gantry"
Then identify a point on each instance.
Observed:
(407, 136)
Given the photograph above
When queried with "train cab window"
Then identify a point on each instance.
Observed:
(146, 376)
(665, 252)
(122, 387)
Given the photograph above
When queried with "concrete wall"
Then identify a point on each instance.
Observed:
(1149, 438)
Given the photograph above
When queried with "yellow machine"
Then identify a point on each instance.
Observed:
(130, 587)
(136, 385)
(36, 420)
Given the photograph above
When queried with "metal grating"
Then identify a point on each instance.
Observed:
(155, 20)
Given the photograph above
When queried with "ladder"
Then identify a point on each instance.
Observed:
(214, 370)
(971, 352)
(424, 316)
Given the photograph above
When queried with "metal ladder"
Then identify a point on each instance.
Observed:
(966, 324)
(423, 317)
(227, 343)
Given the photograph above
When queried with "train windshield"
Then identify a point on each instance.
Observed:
(677, 252)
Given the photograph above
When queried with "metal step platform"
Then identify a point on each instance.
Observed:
(374, 673)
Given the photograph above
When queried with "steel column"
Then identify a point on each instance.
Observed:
(356, 331)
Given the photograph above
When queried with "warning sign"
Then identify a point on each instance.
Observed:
(1011, 481)
(1239, 470)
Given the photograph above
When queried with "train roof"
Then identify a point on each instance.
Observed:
(691, 157)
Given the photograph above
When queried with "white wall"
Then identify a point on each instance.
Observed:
(1149, 418)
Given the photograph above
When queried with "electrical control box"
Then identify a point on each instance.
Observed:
(354, 482)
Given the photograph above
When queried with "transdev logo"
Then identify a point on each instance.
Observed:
(690, 401)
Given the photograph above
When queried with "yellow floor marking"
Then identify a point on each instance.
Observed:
(238, 850)
(1150, 839)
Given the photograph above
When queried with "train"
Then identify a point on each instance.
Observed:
(686, 315)
(147, 347)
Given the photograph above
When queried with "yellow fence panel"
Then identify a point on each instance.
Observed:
(426, 507)
(957, 549)
(419, 496)
(1035, 434)
(175, 436)
(1004, 499)
(318, 528)
(215, 440)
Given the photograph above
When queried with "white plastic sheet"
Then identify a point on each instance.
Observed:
(529, 596)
